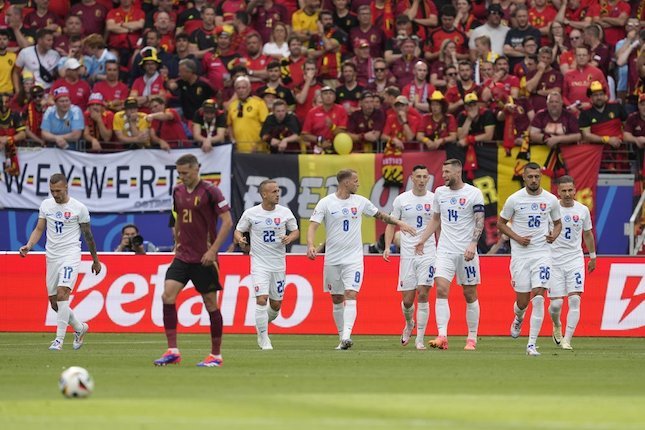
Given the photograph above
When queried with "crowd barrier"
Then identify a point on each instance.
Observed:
(126, 297)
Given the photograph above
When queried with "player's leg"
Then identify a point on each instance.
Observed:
(468, 276)
(352, 277)
(575, 287)
(446, 265)
(425, 271)
(334, 285)
(521, 282)
(65, 277)
(206, 281)
(407, 286)
(261, 280)
(177, 276)
(540, 275)
(557, 291)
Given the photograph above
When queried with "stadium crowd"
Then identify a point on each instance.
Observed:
(289, 75)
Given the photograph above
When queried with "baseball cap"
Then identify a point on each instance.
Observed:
(96, 99)
(361, 43)
(72, 64)
(327, 88)
(61, 92)
(209, 105)
(595, 87)
(401, 100)
(269, 91)
(437, 96)
(470, 98)
(496, 8)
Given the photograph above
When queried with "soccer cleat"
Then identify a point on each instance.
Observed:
(440, 342)
(532, 351)
(79, 336)
(407, 332)
(57, 345)
(516, 327)
(420, 346)
(566, 345)
(264, 343)
(211, 361)
(168, 357)
(471, 345)
(557, 334)
(346, 344)
(340, 346)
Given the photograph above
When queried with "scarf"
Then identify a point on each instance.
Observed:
(147, 91)
(413, 92)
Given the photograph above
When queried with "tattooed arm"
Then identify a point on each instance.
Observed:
(479, 227)
(388, 219)
(91, 245)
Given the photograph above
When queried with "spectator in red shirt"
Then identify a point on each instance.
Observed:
(577, 81)
(292, 66)
(509, 83)
(403, 68)
(447, 31)
(447, 58)
(114, 92)
(402, 125)
(306, 93)
(419, 90)
(98, 122)
(255, 62)
(73, 31)
(266, 14)
(209, 126)
(366, 31)
(612, 16)
(554, 125)
(382, 77)
(544, 81)
(439, 127)
(465, 84)
(79, 90)
(124, 25)
(541, 15)
(92, 14)
(33, 115)
(41, 17)
(600, 53)
(635, 127)
(324, 122)
(166, 128)
(366, 124)
(151, 83)
(567, 59)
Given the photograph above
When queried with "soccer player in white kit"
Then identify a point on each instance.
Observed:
(458, 208)
(529, 211)
(342, 212)
(568, 274)
(268, 224)
(416, 272)
(64, 218)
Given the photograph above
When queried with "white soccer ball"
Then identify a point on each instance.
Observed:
(76, 382)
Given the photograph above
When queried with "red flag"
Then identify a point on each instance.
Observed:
(509, 127)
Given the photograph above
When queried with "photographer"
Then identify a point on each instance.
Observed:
(131, 240)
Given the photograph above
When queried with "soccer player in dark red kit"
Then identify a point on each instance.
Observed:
(196, 206)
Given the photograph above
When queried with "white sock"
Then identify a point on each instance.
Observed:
(76, 324)
(261, 319)
(537, 316)
(62, 319)
(472, 319)
(349, 317)
(519, 313)
(555, 308)
(572, 317)
(339, 309)
(407, 313)
(442, 315)
(423, 311)
(273, 314)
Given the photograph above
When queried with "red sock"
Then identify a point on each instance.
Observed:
(170, 324)
(216, 331)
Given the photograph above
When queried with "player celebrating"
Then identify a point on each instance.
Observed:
(568, 278)
(343, 273)
(196, 205)
(268, 224)
(530, 209)
(65, 218)
(416, 272)
(458, 208)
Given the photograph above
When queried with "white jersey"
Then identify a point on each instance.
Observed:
(63, 227)
(457, 209)
(343, 220)
(568, 246)
(415, 211)
(267, 229)
(530, 217)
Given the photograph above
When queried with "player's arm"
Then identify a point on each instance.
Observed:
(311, 236)
(432, 226)
(389, 236)
(291, 237)
(388, 219)
(240, 240)
(225, 228)
(471, 250)
(503, 227)
(590, 243)
(34, 237)
(91, 245)
(553, 235)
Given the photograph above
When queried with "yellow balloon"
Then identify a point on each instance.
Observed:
(343, 144)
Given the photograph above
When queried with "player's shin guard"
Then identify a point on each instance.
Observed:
(555, 308)
(339, 310)
(572, 317)
(442, 315)
(349, 317)
(423, 312)
(537, 317)
(261, 319)
(62, 319)
(216, 331)
(76, 324)
(170, 324)
(407, 313)
(273, 314)
(472, 319)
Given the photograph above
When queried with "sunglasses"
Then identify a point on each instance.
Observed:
(379, 70)
(494, 12)
(451, 74)
(574, 37)
(240, 110)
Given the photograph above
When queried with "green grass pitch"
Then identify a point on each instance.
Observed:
(305, 384)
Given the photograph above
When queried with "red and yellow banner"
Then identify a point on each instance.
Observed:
(126, 297)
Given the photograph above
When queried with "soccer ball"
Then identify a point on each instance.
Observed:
(76, 382)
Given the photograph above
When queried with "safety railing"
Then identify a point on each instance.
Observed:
(637, 228)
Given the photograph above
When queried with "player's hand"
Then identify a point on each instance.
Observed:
(96, 267)
(418, 248)
(550, 238)
(386, 255)
(591, 265)
(407, 229)
(209, 258)
(286, 240)
(470, 251)
(24, 250)
(311, 252)
(524, 241)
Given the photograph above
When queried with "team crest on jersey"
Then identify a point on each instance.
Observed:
(268, 221)
(534, 206)
(462, 201)
(354, 211)
(276, 221)
(67, 215)
(419, 207)
(453, 200)
(567, 218)
(59, 214)
(543, 206)
(576, 218)
(345, 211)
(428, 206)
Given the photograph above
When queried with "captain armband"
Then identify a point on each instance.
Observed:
(478, 208)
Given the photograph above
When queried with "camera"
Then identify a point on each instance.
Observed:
(136, 241)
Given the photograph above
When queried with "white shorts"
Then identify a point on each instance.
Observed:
(414, 272)
(449, 265)
(268, 283)
(529, 272)
(567, 278)
(341, 277)
(61, 272)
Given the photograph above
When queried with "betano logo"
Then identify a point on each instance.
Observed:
(624, 302)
